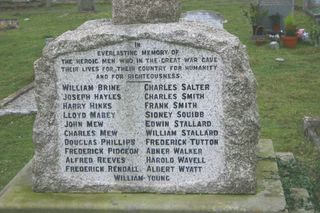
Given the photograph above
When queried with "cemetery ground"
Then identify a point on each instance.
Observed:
(287, 91)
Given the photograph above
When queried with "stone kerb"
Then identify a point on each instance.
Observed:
(240, 115)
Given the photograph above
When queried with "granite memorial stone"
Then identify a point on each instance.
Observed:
(167, 107)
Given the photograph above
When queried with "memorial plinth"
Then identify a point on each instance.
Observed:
(145, 11)
(18, 196)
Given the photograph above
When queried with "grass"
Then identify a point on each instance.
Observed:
(294, 174)
(20, 48)
(286, 93)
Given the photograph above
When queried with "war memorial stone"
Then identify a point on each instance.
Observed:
(166, 107)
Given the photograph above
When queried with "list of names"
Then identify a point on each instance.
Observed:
(141, 112)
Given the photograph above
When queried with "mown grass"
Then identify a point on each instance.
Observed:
(286, 93)
(20, 48)
(16, 145)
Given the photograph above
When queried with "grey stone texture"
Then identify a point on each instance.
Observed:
(285, 158)
(21, 102)
(93, 24)
(240, 116)
(86, 5)
(214, 19)
(302, 201)
(8, 24)
(18, 197)
(145, 11)
(311, 128)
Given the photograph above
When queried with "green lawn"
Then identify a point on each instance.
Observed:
(16, 145)
(20, 48)
(286, 93)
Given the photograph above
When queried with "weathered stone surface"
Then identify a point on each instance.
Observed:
(285, 158)
(8, 24)
(86, 5)
(144, 11)
(233, 110)
(302, 201)
(311, 128)
(93, 24)
(18, 197)
(21, 102)
(213, 19)
(266, 149)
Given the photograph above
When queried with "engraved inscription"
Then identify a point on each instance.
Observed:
(141, 112)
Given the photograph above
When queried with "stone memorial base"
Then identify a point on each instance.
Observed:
(18, 196)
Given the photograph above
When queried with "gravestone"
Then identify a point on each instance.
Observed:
(311, 4)
(165, 107)
(311, 128)
(281, 7)
(202, 16)
(7, 24)
(312, 7)
(86, 5)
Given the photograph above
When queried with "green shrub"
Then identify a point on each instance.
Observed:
(290, 26)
